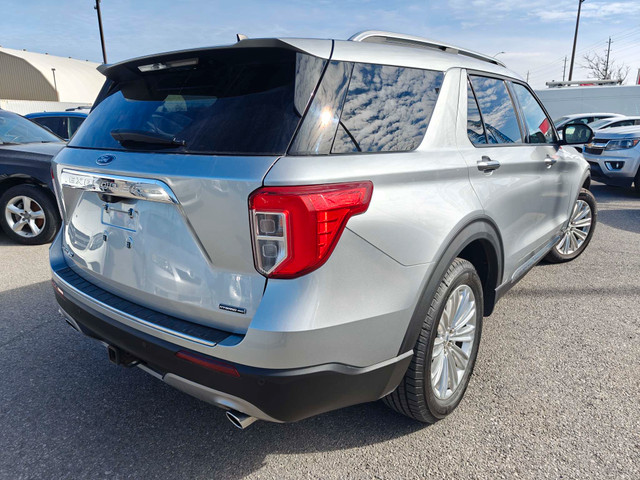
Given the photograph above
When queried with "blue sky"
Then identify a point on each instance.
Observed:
(535, 36)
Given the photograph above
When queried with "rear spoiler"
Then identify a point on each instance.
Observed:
(131, 68)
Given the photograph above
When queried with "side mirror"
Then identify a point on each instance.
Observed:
(576, 134)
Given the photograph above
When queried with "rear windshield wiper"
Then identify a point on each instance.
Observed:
(140, 137)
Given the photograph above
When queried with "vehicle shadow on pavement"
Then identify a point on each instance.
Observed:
(69, 413)
(623, 219)
(609, 199)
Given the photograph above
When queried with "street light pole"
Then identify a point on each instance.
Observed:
(55, 84)
(104, 50)
(575, 40)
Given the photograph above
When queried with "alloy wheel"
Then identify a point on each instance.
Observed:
(453, 343)
(25, 216)
(578, 229)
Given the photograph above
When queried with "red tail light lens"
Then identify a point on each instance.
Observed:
(295, 229)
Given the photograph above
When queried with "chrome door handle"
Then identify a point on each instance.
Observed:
(550, 161)
(487, 165)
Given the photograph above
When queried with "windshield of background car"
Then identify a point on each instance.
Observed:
(599, 123)
(17, 129)
(224, 101)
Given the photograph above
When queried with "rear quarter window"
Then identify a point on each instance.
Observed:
(387, 109)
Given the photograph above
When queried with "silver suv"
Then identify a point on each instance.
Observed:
(284, 227)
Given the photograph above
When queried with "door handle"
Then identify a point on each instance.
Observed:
(487, 165)
(550, 161)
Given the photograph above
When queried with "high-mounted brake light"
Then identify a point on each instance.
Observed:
(295, 229)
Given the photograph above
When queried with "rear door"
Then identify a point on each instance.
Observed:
(155, 183)
(505, 172)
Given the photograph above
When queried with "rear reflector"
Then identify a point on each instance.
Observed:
(209, 363)
(295, 229)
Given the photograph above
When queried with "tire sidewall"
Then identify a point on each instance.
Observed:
(441, 408)
(52, 218)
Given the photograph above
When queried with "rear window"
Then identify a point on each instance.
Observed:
(227, 101)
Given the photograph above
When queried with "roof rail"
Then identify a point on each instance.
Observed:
(378, 36)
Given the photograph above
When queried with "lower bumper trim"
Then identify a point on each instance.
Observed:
(277, 395)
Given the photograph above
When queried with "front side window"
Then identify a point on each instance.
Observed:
(387, 109)
(538, 125)
(498, 112)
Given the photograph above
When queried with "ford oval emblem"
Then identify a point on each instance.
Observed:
(105, 159)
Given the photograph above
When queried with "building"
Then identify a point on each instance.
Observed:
(623, 99)
(35, 82)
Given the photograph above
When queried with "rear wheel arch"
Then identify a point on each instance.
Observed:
(480, 243)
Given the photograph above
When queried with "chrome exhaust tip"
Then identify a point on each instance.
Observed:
(240, 420)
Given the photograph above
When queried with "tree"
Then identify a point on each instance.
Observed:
(601, 67)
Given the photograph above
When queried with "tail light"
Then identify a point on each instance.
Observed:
(295, 229)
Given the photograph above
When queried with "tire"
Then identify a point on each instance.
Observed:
(37, 224)
(416, 396)
(636, 182)
(565, 250)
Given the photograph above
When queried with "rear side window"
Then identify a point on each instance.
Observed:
(475, 127)
(498, 112)
(387, 109)
(57, 125)
(538, 125)
(223, 101)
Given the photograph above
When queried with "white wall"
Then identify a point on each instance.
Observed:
(32, 106)
(623, 99)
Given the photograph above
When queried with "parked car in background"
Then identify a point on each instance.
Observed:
(613, 122)
(28, 210)
(63, 124)
(585, 118)
(582, 118)
(285, 227)
(614, 156)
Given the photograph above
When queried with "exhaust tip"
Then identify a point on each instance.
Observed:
(240, 420)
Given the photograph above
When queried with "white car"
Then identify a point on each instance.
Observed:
(585, 118)
(613, 122)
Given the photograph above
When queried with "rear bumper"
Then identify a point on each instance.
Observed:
(279, 395)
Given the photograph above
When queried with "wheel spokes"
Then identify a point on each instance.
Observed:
(19, 225)
(13, 208)
(453, 343)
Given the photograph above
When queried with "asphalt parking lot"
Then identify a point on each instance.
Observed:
(555, 393)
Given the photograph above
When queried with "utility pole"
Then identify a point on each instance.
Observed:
(55, 84)
(575, 40)
(104, 50)
(606, 64)
(527, 76)
(564, 69)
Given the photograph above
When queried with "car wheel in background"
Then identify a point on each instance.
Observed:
(636, 182)
(29, 215)
(579, 231)
(446, 350)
